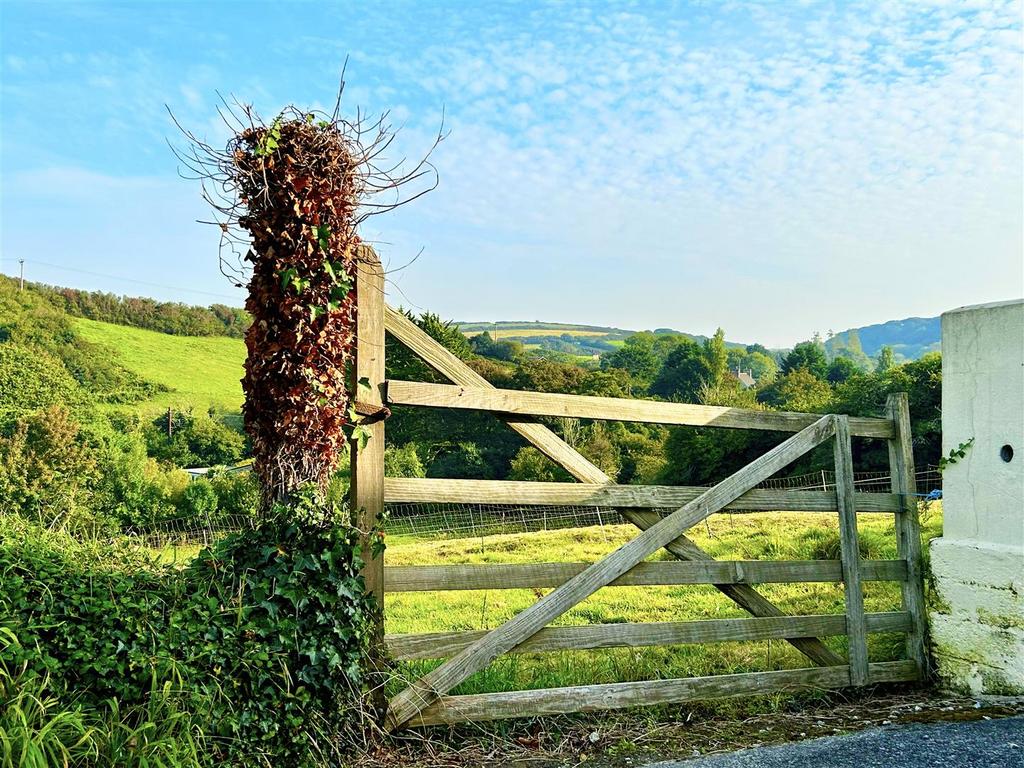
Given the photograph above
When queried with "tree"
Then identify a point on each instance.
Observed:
(636, 356)
(548, 376)
(200, 498)
(403, 461)
(798, 390)
(751, 348)
(762, 367)
(484, 344)
(531, 464)
(683, 373)
(886, 359)
(717, 358)
(841, 369)
(807, 355)
(290, 195)
(195, 441)
(47, 470)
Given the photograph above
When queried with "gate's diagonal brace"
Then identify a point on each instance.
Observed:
(528, 622)
(552, 446)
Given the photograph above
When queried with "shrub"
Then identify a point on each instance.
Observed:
(281, 612)
(200, 499)
(461, 460)
(264, 634)
(237, 493)
(531, 464)
(403, 461)
(47, 471)
(195, 441)
(31, 379)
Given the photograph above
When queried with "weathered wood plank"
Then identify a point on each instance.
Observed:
(577, 465)
(423, 490)
(529, 621)
(439, 645)
(849, 544)
(592, 698)
(908, 527)
(743, 595)
(367, 462)
(616, 409)
(429, 578)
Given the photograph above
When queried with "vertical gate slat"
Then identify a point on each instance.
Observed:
(908, 528)
(856, 624)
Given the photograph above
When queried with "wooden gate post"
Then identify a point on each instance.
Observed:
(856, 626)
(367, 490)
(908, 527)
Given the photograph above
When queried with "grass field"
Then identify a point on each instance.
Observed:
(199, 371)
(766, 536)
(523, 333)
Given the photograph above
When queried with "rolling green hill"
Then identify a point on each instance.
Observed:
(909, 338)
(198, 371)
(573, 339)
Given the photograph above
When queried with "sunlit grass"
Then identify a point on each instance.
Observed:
(199, 371)
(762, 536)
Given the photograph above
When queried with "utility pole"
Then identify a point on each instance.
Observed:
(170, 423)
(21, 280)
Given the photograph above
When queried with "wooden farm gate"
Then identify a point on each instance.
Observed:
(427, 701)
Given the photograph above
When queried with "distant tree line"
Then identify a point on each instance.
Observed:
(164, 316)
(664, 366)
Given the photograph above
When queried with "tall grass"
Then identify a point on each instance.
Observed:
(41, 727)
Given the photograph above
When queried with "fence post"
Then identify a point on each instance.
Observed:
(856, 626)
(367, 490)
(908, 528)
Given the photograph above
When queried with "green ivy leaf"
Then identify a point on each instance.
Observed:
(323, 235)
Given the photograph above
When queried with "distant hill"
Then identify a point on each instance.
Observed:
(909, 338)
(569, 338)
(49, 355)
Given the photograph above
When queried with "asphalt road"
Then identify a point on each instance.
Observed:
(981, 744)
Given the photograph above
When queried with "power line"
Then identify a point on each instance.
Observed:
(129, 279)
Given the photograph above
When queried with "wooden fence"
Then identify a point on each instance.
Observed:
(427, 701)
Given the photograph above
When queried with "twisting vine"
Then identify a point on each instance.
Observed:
(292, 193)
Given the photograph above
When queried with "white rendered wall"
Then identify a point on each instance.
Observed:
(977, 608)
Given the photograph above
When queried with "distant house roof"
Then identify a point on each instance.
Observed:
(197, 472)
(746, 379)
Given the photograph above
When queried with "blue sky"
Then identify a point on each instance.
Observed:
(772, 168)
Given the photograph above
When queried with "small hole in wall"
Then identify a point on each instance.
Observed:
(1006, 453)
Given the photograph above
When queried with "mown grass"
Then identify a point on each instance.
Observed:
(762, 536)
(199, 371)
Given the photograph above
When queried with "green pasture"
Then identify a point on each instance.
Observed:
(199, 371)
(761, 536)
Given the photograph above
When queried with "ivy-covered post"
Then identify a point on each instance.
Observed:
(367, 491)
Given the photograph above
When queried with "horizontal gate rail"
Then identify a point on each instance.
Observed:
(442, 578)
(535, 493)
(439, 645)
(518, 402)
(592, 698)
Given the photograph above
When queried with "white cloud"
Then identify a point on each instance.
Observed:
(773, 169)
(857, 167)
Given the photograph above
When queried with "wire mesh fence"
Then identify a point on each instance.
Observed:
(436, 520)
(189, 531)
